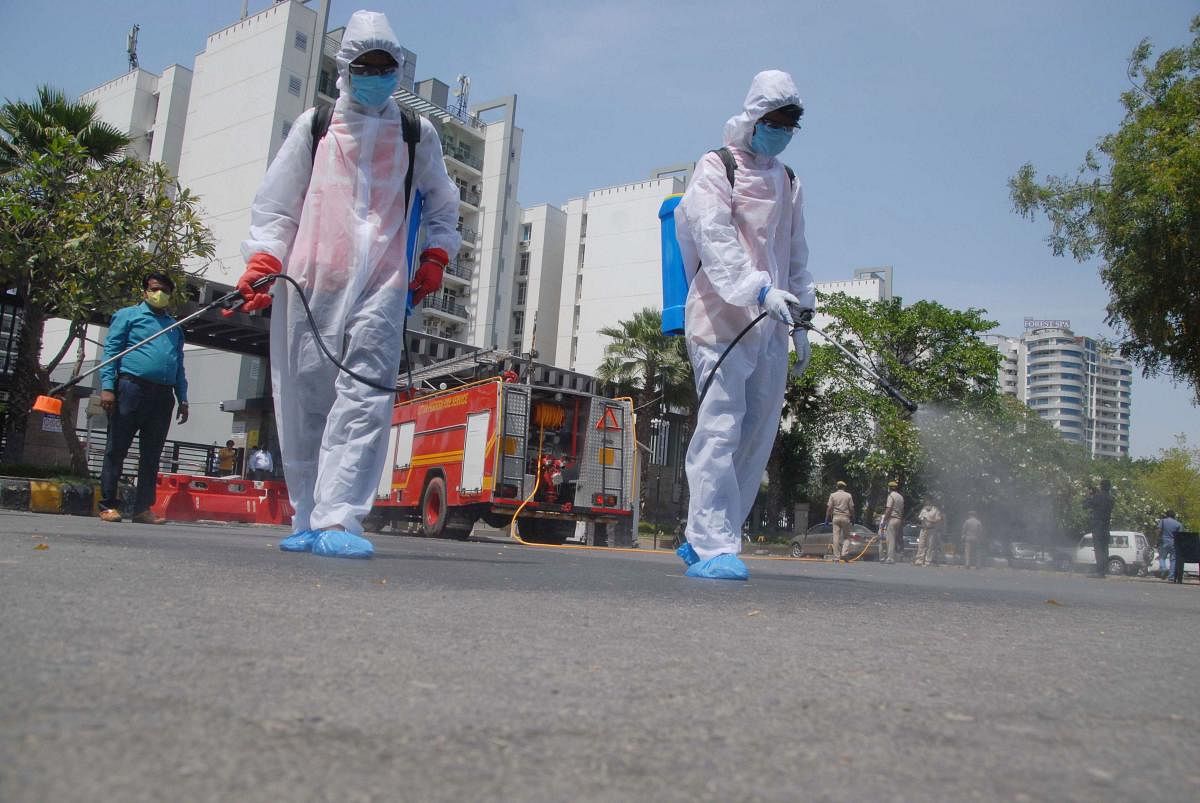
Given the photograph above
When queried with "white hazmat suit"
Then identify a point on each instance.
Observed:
(338, 223)
(745, 238)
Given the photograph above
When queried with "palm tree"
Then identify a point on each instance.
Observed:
(651, 367)
(29, 130)
(29, 126)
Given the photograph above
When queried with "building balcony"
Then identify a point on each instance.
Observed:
(459, 271)
(465, 158)
(443, 308)
(469, 235)
(469, 196)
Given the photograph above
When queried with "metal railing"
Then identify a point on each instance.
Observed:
(470, 196)
(178, 457)
(443, 305)
(466, 157)
(460, 269)
(469, 234)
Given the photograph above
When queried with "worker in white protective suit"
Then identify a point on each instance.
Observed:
(748, 239)
(336, 220)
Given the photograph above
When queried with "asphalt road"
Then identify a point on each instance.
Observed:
(198, 663)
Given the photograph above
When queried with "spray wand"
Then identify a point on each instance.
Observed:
(51, 403)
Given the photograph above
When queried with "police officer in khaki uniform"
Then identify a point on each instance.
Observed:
(838, 511)
(972, 535)
(930, 519)
(892, 522)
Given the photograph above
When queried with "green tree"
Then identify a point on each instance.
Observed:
(77, 234)
(1173, 480)
(28, 128)
(933, 354)
(651, 367)
(1137, 206)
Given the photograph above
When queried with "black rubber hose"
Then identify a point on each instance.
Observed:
(312, 323)
(712, 374)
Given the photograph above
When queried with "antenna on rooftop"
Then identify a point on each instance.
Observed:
(463, 91)
(131, 47)
(245, 9)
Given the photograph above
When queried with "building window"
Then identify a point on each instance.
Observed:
(518, 323)
(583, 226)
(526, 232)
(516, 345)
(521, 293)
(295, 85)
(523, 264)
(581, 250)
(301, 40)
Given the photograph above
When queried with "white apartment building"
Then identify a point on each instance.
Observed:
(537, 285)
(1073, 382)
(611, 268)
(218, 127)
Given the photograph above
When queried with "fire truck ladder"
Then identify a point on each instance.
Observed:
(471, 361)
(613, 442)
(514, 442)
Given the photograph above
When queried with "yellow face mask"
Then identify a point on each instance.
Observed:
(157, 299)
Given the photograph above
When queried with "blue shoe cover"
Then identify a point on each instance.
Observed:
(688, 554)
(725, 566)
(340, 544)
(299, 542)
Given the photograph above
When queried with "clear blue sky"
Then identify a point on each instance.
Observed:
(916, 114)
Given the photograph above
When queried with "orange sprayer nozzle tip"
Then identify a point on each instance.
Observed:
(48, 405)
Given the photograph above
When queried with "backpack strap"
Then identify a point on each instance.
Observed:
(410, 130)
(727, 160)
(731, 166)
(320, 125)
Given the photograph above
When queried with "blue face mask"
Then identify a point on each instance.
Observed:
(372, 90)
(768, 140)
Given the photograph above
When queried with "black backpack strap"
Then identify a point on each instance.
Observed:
(320, 125)
(727, 160)
(791, 175)
(410, 130)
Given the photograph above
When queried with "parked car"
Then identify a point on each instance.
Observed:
(817, 542)
(1128, 553)
(1025, 555)
(1189, 569)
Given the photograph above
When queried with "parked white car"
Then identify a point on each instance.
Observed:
(1128, 552)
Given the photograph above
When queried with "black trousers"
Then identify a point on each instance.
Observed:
(1101, 548)
(143, 409)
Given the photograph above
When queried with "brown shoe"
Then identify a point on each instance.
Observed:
(148, 517)
(110, 514)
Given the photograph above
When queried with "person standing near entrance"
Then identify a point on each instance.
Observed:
(1100, 505)
(890, 526)
(838, 511)
(139, 392)
(226, 458)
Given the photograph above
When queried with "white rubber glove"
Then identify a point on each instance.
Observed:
(803, 352)
(776, 301)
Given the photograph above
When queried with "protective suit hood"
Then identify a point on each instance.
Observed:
(770, 90)
(366, 30)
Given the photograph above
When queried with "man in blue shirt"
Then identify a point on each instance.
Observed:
(1168, 526)
(138, 392)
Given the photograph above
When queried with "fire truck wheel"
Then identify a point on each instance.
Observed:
(433, 508)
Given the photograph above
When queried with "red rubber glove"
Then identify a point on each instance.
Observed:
(260, 265)
(429, 276)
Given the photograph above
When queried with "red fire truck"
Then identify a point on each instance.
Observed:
(504, 443)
